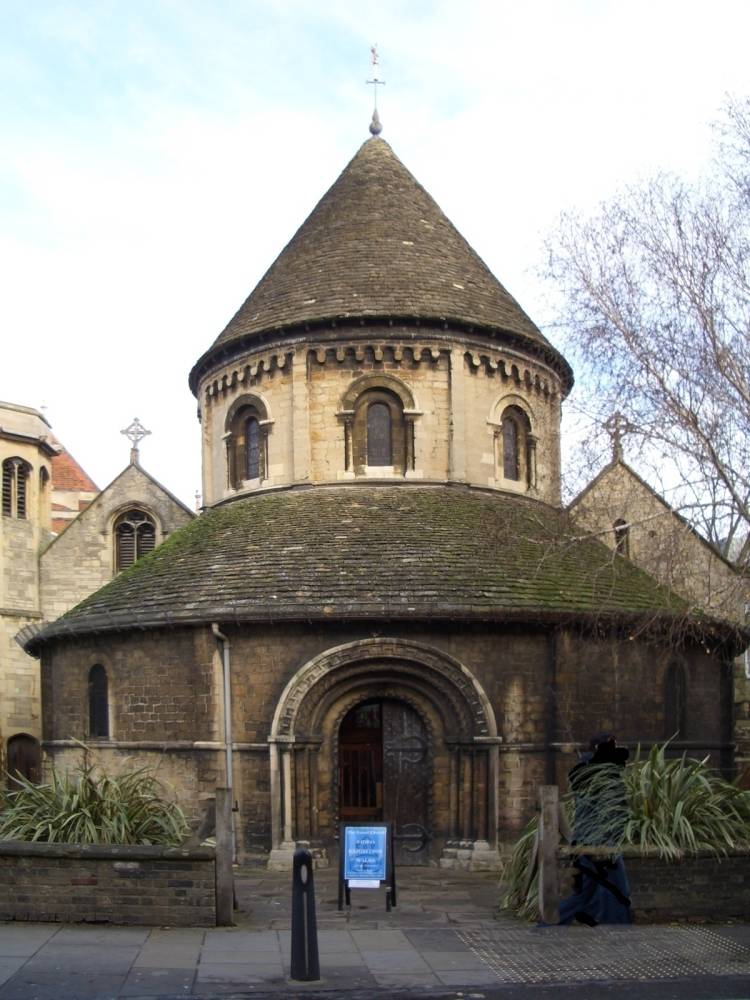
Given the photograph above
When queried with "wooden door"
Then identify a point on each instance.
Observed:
(406, 782)
(361, 764)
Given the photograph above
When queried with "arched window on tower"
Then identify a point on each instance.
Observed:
(379, 434)
(622, 537)
(516, 447)
(135, 536)
(247, 443)
(98, 703)
(252, 448)
(16, 474)
(378, 414)
(675, 701)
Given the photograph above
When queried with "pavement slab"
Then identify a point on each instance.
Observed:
(443, 943)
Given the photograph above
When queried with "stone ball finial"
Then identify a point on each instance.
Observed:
(375, 127)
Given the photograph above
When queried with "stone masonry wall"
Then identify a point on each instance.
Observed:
(696, 888)
(460, 386)
(67, 883)
(88, 544)
(549, 691)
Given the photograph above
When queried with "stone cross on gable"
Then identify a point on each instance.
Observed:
(617, 426)
(136, 432)
(375, 127)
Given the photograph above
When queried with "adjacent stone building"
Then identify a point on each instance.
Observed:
(621, 509)
(60, 539)
(383, 613)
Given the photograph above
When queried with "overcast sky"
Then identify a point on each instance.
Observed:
(158, 154)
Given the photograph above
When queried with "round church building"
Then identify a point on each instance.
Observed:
(383, 612)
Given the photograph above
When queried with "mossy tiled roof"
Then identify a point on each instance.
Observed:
(377, 245)
(355, 552)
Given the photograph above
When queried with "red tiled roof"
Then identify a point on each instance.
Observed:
(67, 474)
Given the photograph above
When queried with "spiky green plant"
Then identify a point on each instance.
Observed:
(672, 806)
(89, 806)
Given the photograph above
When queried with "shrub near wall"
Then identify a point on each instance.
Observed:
(151, 886)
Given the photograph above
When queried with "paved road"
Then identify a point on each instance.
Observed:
(441, 942)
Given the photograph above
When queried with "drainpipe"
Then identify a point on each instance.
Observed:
(227, 722)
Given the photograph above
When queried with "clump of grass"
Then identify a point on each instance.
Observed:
(680, 806)
(672, 807)
(89, 806)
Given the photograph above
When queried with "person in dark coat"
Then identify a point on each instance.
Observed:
(601, 892)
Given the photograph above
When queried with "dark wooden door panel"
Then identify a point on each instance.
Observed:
(406, 780)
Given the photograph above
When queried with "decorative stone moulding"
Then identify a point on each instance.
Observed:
(249, 374)
(510, 372)
(392, 353)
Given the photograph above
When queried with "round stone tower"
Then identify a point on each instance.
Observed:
(379, 346)
(382, 614)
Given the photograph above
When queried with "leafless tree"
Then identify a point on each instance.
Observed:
(654, 293)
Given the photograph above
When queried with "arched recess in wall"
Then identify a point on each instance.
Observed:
(515, 443)
(24, 758)
(676, 700)
(246, 430)
(98, 703)
(135, 533)
(452, 709)
(377, 413)
(15, 483)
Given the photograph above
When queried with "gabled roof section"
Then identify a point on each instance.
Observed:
(378, 245)
(619, 463)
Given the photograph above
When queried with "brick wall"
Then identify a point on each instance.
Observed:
(67, 883)
(702, 887)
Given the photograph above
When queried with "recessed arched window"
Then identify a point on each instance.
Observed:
(675, 701)
(378, 413)
(98, 702)
(252, 448)
(517, 447)
(622, 537)
(247, 443)
(24, 758)
(379, 434)
(511, 456)
(16, 474)
(135, 536)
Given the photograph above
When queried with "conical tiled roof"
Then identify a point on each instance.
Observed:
(377, 245)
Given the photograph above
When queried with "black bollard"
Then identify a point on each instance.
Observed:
(305, 964)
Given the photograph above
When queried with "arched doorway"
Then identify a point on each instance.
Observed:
(384, 772)
(432, 738)
(24, 759)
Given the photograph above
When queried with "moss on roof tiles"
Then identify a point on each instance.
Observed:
(378, 245)
(354, 552)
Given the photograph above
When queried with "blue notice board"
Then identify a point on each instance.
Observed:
(366, 852)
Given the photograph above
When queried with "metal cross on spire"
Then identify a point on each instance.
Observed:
(375, 127)
(617, 426)
(136, 432)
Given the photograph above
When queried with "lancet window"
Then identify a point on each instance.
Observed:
(622, 537)
(98, 702)
(16, 474)
(135, 536)
(516, 448)
(247, 443)
(378, 417)
(675, 700)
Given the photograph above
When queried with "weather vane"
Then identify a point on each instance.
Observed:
(135, 433)
(375, 127)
